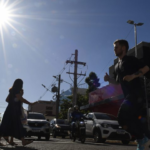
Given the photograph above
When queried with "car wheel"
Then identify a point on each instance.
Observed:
(82, 139)
(97, 136)
(74, 137)
(39, 137)
(125, 142)
(54, 134)
(47, 137)
(103, 140)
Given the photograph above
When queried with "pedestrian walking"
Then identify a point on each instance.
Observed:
(127, 72)
(70, 110)
(11, 123)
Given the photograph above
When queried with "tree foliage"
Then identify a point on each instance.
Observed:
(93, 82)
(65, 105)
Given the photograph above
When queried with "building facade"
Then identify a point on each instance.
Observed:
(48, 108)
(65, 94)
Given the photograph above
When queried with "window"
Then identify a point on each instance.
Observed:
(29, 107)
(105, 117)
(36, 116)
(48, 113)
(49, 108)
(90, 116)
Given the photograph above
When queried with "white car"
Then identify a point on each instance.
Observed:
(37, 126)
(102, 126)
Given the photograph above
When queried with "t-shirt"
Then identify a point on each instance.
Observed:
(76, 115)
(128, 66)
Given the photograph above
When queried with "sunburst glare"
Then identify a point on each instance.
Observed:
(12, 14)
(4, 14)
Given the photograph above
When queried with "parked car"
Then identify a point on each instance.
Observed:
(102, 126)
(37, 125)
(59, 127)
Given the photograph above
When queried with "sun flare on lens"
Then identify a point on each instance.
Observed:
(12, 13)
(4, 14)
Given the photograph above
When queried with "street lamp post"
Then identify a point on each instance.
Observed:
(135, 32)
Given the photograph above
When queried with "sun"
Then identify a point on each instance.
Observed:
(4, 14)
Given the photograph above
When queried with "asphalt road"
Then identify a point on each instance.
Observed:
(67, 144)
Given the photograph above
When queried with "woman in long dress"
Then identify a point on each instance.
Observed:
(11, 123)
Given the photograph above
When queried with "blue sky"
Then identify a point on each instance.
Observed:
(44, 34)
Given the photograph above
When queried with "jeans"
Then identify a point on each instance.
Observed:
(130, 115)
(73, 127)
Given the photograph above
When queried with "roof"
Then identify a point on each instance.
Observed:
(35, 113)
(43, 101)
(101, 113)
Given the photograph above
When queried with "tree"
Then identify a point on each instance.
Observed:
(65, 105)
(81, 101)
(93, 82)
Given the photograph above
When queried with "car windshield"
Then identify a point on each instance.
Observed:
(105, 117)
(36, 116)
(61, 121)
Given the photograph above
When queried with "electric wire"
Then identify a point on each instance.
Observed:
(112, 57)
(129, 32)
(69, 74)
(54, 81)
(83, 76)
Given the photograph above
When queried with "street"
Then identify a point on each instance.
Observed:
(67, 144)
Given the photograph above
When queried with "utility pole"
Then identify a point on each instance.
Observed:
(75, 78)
(75, 75)
(58, 96)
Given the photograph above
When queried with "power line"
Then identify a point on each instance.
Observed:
(83, 77)
(129, 32)
(111, 58)
(70, 76)
(75, 74)
(54, 81)
(106, 65)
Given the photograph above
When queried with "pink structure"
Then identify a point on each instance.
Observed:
(106, 99)
(104, 93)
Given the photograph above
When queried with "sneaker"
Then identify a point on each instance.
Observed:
(143, 144)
